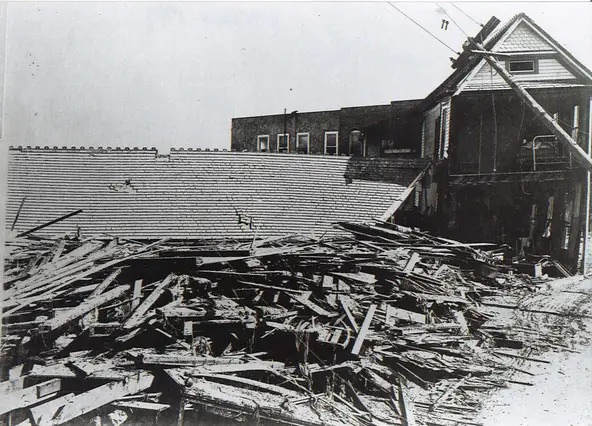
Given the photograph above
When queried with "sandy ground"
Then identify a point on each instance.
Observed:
(561, 391)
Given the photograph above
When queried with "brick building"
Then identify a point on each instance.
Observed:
(369, 131)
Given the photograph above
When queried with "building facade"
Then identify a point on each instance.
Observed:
(367, 131)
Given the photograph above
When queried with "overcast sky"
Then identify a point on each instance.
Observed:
(174, 74)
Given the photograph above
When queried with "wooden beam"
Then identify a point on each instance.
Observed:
(344, 302)
(84, 308)
(68, 407)
(141, 405)
(364, 330)
(29, 396)
(106, 282)
(580, 155)
(137, 316)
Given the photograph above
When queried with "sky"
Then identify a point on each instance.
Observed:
(166, 74)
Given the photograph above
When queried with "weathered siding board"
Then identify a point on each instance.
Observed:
(549, 70)
(198, 194)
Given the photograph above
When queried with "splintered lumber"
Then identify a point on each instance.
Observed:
(186, 360)
(363, 330)
(84, 308)
(250, 383)
(68, 407)
(137, 316)
(405, 315)
(304, 299)
(344, 300)
(30, 395)
(106, 282)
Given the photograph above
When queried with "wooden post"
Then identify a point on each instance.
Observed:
(580, 155)
(587, 189)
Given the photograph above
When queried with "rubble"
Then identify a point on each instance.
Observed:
(294, 330)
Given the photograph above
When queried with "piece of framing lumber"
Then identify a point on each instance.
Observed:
(29, 396)
(12, 385)
(343, 300)
(363, 330)
(303, 299)
(84, 308)
(141, 405)
(101, 287)
(406, 405)
(137, 293)
(250, 383)
(412, 262)
(137, 316)
(68, 407)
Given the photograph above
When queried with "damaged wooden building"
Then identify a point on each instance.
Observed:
(499, 173)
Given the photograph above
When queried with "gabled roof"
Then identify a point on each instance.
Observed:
(469, 62)
(197, 194)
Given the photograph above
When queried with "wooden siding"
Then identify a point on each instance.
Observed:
(551, 73)
(197, 195)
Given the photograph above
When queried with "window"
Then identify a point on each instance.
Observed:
(263, 143)
(331, 143)
(522, 66)
(283, 142)
(357, 146)
(302, 143)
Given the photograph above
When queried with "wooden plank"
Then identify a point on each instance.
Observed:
(141, 405)
(84, 308)
(303, 299)
(405, 315)
(106, 282)
(251, 383)
(29, 396)
(364, 330)
(344, 302)
(9, 386)
(137, 316)
(137, 295)
(412, 262)
(71, 406)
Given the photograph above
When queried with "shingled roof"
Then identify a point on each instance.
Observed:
(196, 194)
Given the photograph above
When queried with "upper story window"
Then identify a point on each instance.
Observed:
(331, 143)
(283, 142)
(357, 145)
(263, 143)
(522, 66)
(302, 143)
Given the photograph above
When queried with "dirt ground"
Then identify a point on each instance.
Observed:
(561, 391)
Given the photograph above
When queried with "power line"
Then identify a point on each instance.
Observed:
(420, 26)
(466, 14)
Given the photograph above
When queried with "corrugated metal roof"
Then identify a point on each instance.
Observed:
(198, 195)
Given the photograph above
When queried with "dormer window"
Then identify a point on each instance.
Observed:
(522, 66)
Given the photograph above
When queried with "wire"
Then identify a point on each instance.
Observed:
(466, 14)
(420, 26)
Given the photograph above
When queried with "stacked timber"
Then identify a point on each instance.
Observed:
(291, 330)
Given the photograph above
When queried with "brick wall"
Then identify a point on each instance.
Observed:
(396, 121)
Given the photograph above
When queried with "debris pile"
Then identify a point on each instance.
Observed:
(292, 330)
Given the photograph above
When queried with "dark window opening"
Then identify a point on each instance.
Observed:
(522, 66)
